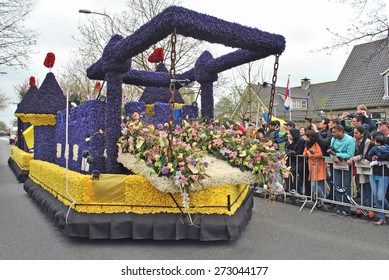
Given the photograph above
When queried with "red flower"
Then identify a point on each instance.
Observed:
(32, 81)
(157, 56)
(97, 87)
(49, 60)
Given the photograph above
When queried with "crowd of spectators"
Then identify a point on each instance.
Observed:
(350, 141)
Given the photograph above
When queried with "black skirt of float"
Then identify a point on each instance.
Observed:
(163, 226)
(21, 175)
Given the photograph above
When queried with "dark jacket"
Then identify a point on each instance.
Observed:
(324, 139)
(379, 170)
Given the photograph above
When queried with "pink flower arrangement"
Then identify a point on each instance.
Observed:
(191, 142)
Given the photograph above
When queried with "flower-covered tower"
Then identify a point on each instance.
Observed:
(22, 112)
(51, 101)
(42, 112)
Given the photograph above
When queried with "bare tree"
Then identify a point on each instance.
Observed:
(3, 101)
(99, 29)
(15, 39)
(21, 89)
(243, 100)
(138, 13)
(370, 24)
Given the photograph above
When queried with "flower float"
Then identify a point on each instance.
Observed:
(197, 146)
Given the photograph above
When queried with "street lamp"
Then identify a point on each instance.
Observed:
(84, 11)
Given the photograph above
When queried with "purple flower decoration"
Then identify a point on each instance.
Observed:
(272, 176)
(206, 164)
(232, 133)
(160, 126)
(277, 154)
(177, 177)
(225, 151)
(165, 170)
(276, 165)
(193, 162)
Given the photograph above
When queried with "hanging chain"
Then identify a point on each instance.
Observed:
(172, 89)
(273, 87)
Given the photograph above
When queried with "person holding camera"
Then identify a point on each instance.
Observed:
(324, 140)
(361, 118)
(342, 148)
(324, 135)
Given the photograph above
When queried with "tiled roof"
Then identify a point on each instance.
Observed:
(360, 81)
(315, 95)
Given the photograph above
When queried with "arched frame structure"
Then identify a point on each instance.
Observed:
(115, 64)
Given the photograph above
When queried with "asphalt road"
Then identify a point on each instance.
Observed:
(277, 231)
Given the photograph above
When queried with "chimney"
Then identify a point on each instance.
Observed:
(305, 83)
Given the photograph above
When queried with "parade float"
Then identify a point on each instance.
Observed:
(167, 171)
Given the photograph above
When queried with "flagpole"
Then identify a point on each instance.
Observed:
(288, 101)
(291, 103)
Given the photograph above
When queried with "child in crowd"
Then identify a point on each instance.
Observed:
(380, 150)
(380, 178)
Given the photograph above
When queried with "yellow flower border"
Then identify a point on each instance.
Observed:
(21, 158)
(140, 196)
(150, 110)
(38, 119)
(52, 178)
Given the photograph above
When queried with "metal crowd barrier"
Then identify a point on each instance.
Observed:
(339, 187)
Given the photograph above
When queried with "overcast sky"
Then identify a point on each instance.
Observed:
(302, 22)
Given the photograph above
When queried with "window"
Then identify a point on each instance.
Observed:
(377, 116)
(386, 86)
(299, 104)
(386, 83)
